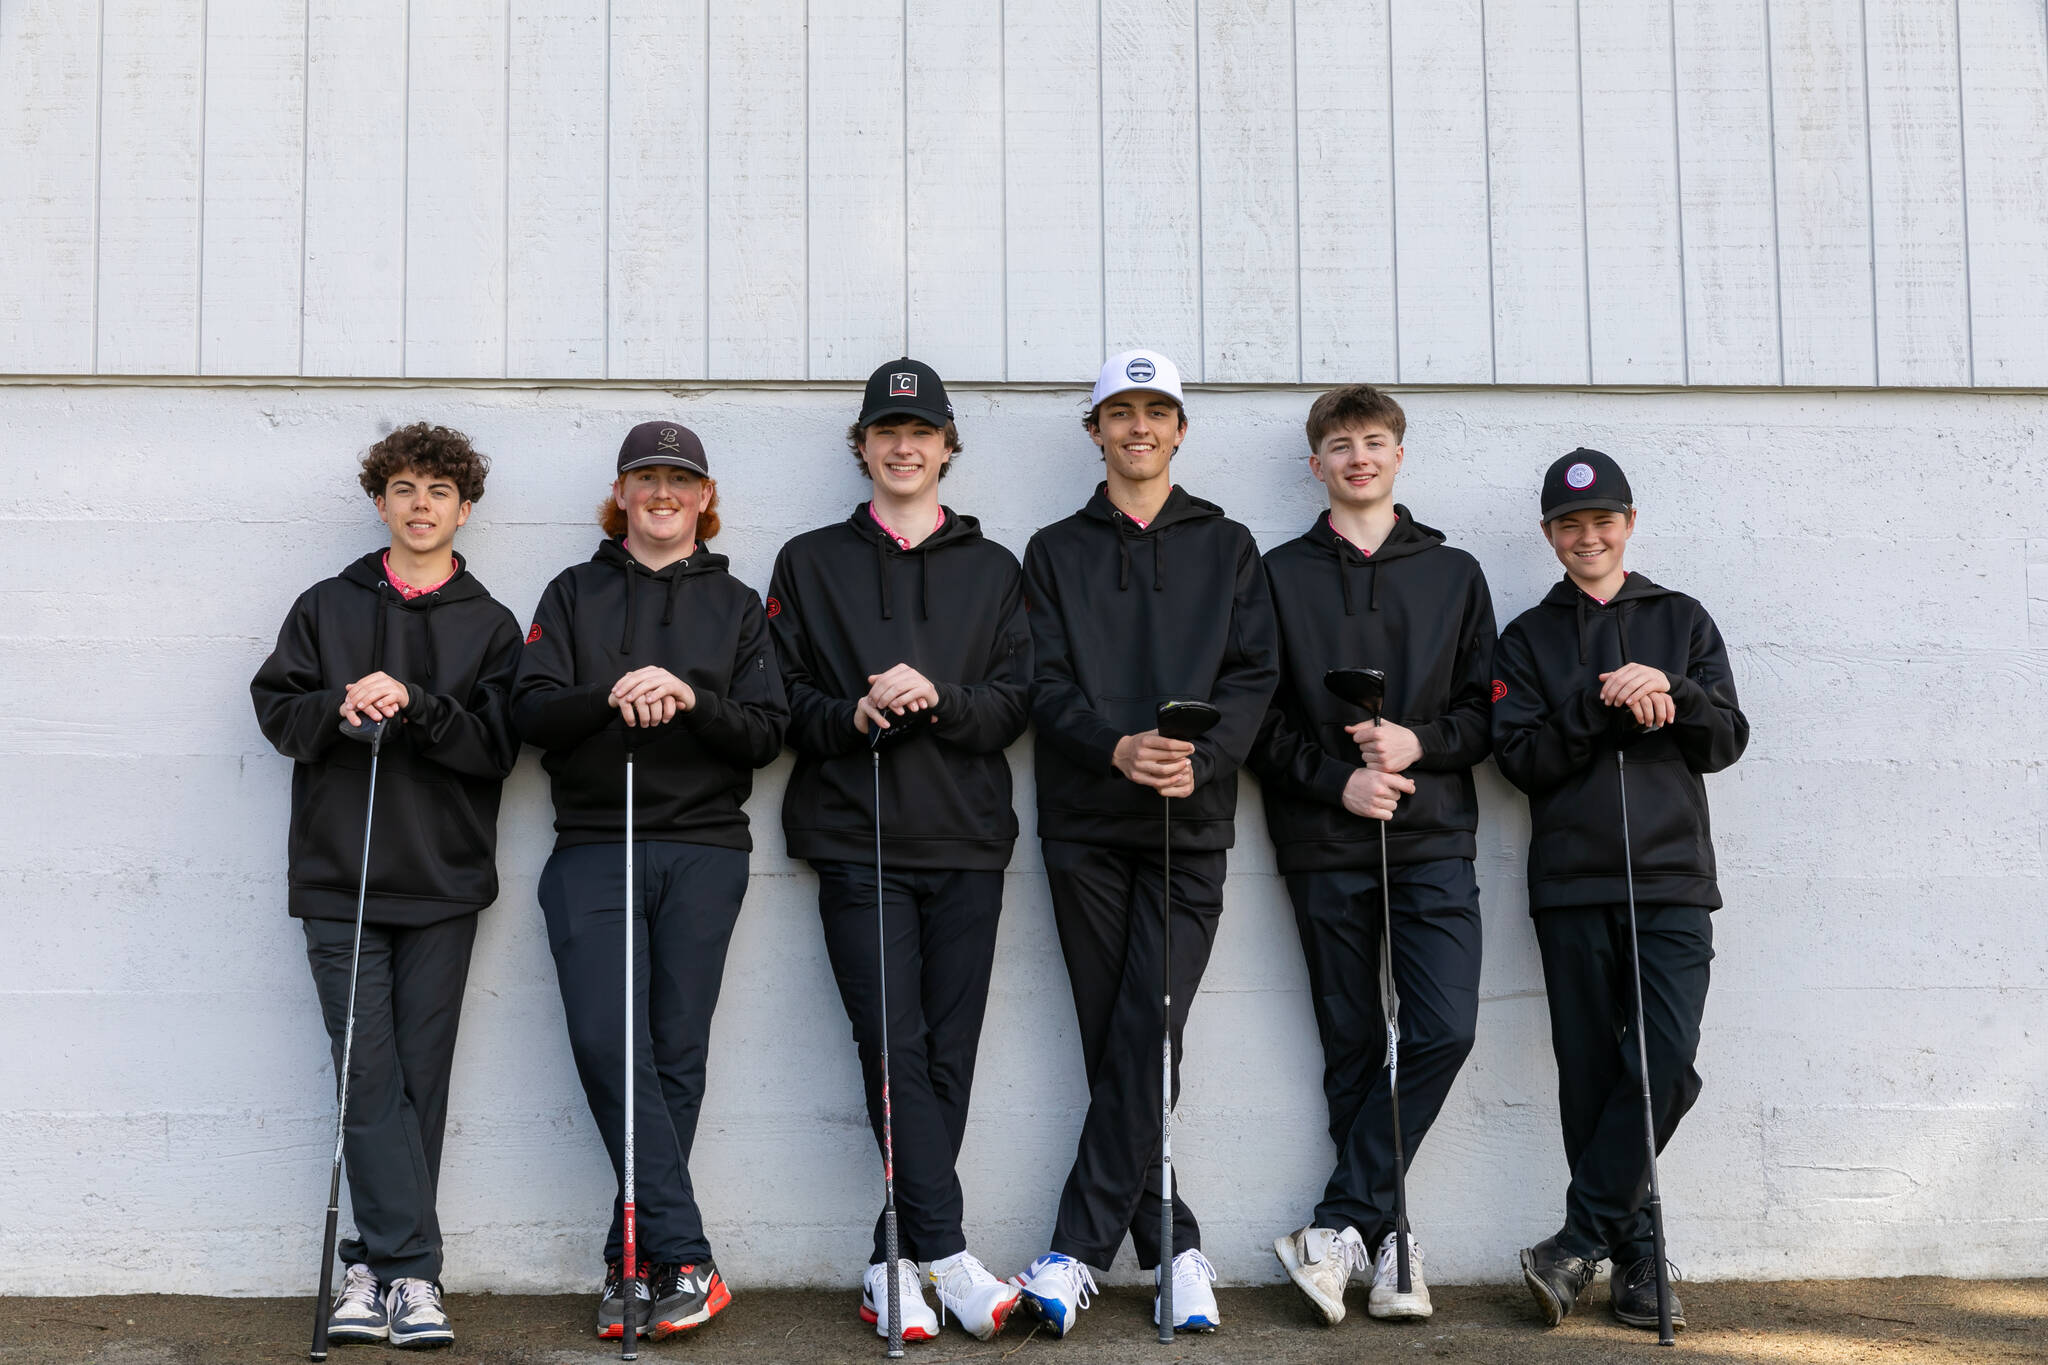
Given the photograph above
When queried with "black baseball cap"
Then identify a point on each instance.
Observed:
(905, 388)
(1583, 481)
(670, 443)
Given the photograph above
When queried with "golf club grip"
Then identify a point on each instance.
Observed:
(1665, 1335)
(889, 1250)
(319, 1351)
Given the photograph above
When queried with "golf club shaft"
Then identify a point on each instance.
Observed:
(889, 1245)
(348, 1042)
(1665, 1336)
(1404, 1281)
(629, 1339)
(1166, 1073)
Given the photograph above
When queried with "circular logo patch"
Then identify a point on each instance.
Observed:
(1500, 689)
(774, 609)
(533, 634)
(1140, 370)
(1579, 475)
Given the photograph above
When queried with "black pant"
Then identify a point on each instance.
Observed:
(689, 899)
(408, 1003)
(941, 946)
(1436, 975)
(1106, 903)
(1599, 1078)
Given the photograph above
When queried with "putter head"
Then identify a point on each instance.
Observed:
(1362, 687)
(364, 732)
(1187, 719)
(907, 726)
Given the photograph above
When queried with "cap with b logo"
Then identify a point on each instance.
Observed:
(1584, 481)
(669, 443)
(1147, 370)
(906, 388)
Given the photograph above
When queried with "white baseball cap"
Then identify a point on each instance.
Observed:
(1147, 370)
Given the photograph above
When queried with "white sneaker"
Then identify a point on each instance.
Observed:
(980, 1301)
(417, 1317)
(357, 1315)
(1387, 1301)
(919, 1322)
(1194, 1303)
(1321, 1263)
(1057, 1288)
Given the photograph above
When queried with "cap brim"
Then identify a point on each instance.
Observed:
(1585, 505)
(649, 461)
(936, 418)
(1167, 394)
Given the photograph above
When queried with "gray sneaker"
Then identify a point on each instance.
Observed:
(417, 1317)
(357, 1316)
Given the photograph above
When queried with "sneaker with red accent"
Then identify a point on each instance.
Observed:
(611, 1304)
(978, 1301)
(919, 1322)
(685, 1296)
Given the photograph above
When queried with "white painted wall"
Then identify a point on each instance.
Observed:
(1760, 192)
(1876, 1068)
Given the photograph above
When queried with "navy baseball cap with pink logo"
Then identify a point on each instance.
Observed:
(1584, 481)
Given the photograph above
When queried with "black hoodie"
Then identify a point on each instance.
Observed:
(1429, 627)
(601, 620)
(846, 601)
(1123, 618)
(1555, 740)
(438, 773)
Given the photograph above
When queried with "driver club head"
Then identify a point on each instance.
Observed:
(909, 725)
(1362, 687)
(365, 732)
(1186, 720)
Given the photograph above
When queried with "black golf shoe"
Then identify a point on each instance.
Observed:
(685, 1296)
(611, 1306)
(1632, 1296)
(1556, 1278)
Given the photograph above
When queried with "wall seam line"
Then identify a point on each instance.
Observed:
(1486, 155)
(1870, 187)
(1585, 215)
(199, 281)
(1777, 234)
(1678, 189)
(1294, 104)
(405, 208)
(99, 176)
(1963, 167)
(305, 159)
(1393, 196)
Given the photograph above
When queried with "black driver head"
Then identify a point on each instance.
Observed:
(1363, 687)
(1187, 719)
(907, 726)
(364, 732)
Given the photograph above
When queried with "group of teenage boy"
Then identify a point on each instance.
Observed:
(905, 615)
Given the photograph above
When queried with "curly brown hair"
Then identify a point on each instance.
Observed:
(856, 432)
(612, 517)
(437, 452)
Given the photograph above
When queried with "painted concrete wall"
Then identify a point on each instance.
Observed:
(1875, 1060)
(1808, 192)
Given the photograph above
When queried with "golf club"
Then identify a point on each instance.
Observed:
(877, 736)
(629, 1337)
(1367, 688)
(1184, 720)
(372, 734)
(1635, 957)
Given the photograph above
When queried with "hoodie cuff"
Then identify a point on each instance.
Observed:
(1688, 697)
(1330, 780)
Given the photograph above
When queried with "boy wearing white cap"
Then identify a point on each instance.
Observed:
(1145, 595)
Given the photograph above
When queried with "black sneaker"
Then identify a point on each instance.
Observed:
(1632, 1296)
(685, 1296)
(1555, 1278)
(611, 1308)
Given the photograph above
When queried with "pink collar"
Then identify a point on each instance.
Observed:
(902, 543)
(407, 590)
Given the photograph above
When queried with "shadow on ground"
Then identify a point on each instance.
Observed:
(1804, 1322)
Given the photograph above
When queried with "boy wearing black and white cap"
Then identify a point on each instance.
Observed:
(903, 616)
(407, 637)
(1368, 586)
(1610, 662)
(1145, 595)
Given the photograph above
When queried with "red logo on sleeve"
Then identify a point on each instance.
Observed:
(1500, 689)
(533, 634)
(774, 609)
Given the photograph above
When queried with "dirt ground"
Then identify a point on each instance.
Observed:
(1809, 1322)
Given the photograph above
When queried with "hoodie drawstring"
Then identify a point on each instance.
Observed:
(1372, 572)
(1344, 582)
(1372, 581)
(668, 608)
(1582, 625)
(882, 574)
(377, 639)
(428, 625)
(924, 601)
(1159, 560)
(1621, 613)
(626, 639)
(1123, 563)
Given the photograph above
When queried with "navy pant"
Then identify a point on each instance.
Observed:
(941, 928)
(408, 1003)
(1436, 974)
(689, 899)
(1599, 1079)
(1106, 903)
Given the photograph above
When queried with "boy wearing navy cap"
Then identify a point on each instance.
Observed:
(1145, 595)
(903, 618)
(1608, 664)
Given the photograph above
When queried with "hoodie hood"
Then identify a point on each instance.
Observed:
(1180, 508)
(615, 553)
(368, 573)
(1634, 588)
(1409, 537)
(953, 529)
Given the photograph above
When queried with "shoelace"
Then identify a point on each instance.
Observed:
(1191, 1268)
(910, 1286)
(1645, 1271)
(1080, 1282)
(358, 1289)
(966, 1275)
(1357, 1260)
(1390, 1264)
(414, 1295)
